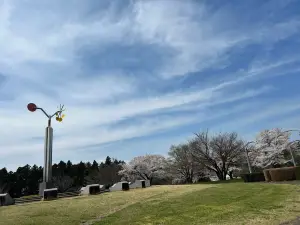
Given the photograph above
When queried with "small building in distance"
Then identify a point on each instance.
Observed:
(120, 186)
(91, 189)
(138, 184)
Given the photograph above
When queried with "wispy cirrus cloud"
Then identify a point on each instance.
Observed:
(128, 70)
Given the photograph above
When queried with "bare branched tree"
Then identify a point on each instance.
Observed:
(93, 178)
(217, 153)
(108, 175)
(181, 164)
(63, 183)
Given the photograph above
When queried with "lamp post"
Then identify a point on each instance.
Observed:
(247, 156)
(290, 149)
(47, 171)
(291, 152)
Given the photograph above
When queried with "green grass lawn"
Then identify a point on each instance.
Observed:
(224, 203)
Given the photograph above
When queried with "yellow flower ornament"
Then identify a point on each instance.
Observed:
(59, 115)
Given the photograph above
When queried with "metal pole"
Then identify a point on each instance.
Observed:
(291, 152)
(293, 159)
(290, 149)
(247, 156)
(248, 161)
(47, 173)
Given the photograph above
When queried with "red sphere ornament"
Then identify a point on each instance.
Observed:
(31, 107)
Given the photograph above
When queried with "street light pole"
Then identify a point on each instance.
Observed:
(290, 149)
(247, 156)
(47, 171)
(291, 152)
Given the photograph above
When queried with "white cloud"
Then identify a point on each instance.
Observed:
(263, 66)
(229, 98)
(199, 44)
(196, 45)
(278, 112)
(41, 61)
(88, 116)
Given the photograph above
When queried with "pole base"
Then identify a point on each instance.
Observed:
(43, 186)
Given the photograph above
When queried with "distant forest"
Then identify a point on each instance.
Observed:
(66, 176)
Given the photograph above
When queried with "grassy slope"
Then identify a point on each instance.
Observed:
(75, 210)
(222, 204)
(186, 204)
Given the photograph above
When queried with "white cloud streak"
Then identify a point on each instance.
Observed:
(40, 59)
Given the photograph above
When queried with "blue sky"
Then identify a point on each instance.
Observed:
(138, 76)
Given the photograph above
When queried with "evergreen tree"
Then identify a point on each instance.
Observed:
(108, 161)
(95, 165)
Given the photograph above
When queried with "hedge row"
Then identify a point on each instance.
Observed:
(282, 174)
(274, 174)
(253, 177)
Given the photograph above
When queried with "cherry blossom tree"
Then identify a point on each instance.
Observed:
(270, 148)
(218, 153)
(144, 167)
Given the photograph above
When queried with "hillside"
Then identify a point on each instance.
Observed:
(234, 203)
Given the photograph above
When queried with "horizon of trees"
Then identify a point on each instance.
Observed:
(195, 160)
(66, 176)
(222, 155)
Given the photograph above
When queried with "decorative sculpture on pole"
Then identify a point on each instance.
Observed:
(47, 172)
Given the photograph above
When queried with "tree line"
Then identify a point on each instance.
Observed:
(205, 155)
(223, 155)
(66, 176)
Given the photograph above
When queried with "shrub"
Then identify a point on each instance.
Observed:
(297, 172)
(283, 174)
(203, 179)
(253, 177)
(267, 175)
